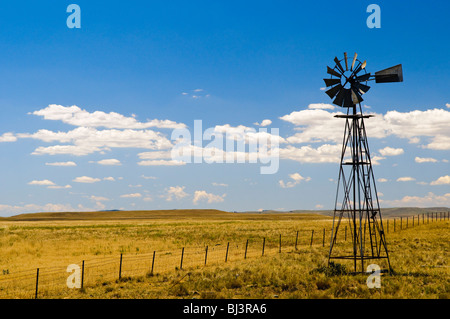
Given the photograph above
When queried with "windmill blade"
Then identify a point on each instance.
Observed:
(354, 60)
(348, 98)
(333, 72)
(333, 91)
(338, 64)
(356, 97)
(360, 67)
(330, 82)
(361, 88)
(340, 97)
(346, 63)
(392, 74)
(363, 77)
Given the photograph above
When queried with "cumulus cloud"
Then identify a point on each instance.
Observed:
(86, 179)
(406, 179)
(220, 184)
(264, 123)
(69, 163)
(161, 163)
(382, 180)
(389, 151)
(134, 195)
(109, 162)
(88, 140)
(59, 187)
(44, 182)
(425, 160)
(8, 137)
(76, 116)
(208, 197)
(296, 179)
(428, 200)
(34, 208)
(174, 192)
(110, 178)
(443, 180)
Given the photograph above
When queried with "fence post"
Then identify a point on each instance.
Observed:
(406, 221)
(226, 255)
(387, 225)
(345, 238)
(312, 236)
(323, 240)
(37, 284)
(181, 262)
(153, 261)
(206, 254)
(296, 240)
(120, 267)
(280, 245)
(82, 274)
(413, 222)
(264, 244)
(401, 223)
(246, 246)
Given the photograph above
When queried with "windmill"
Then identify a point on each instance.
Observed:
(357, 202)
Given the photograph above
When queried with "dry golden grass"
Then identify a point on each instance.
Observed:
(419, 256)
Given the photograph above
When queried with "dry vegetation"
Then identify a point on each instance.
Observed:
(419, 256)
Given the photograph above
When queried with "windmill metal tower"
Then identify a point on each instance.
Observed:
(357, 203)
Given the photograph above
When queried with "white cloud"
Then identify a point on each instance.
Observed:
(264, 123)
(428, 200)
(161, 163)
(406, 179)
(59, 187)
(134, 195)
(76, 116)
(155, 155)
(98, 198)
(135, 186)
(198, 90)
(86, 179)
(210, 198)
(389, 151)
(175, 192)
(425, 160)
(326, 153)
(149, 177)
(109, 161)
(33, 208)
(296, 178)
(382, 180)
(447, 105)
(8, 137)
(87, 140)
(110, 178)
(319, 206)
(69, 163)
(220, 184)
(319, 125)
(443, 180)
(321, 106)
(44, 182)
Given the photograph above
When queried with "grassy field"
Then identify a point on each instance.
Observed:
(419, 255)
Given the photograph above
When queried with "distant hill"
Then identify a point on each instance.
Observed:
(207, 214)
(174, 214)
(387, 212)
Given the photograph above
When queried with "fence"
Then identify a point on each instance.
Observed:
(52, 281)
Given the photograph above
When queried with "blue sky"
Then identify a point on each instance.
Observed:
(231, 64)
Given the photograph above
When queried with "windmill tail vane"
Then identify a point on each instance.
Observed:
(357, 204)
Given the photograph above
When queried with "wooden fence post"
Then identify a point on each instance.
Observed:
(37, 284)
(120, 267)
(280, 245)
(312, 237)
(153, 261)
(323, 240)
(82, 274)
(182, 255)
(226, 255)
(206, 254)
(246, 246)
(401, 223)
(345, 238)
(264, 244)
(296, 240)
